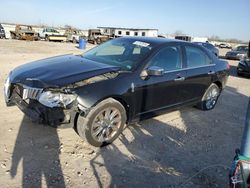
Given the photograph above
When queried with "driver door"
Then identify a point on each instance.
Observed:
(158, 92)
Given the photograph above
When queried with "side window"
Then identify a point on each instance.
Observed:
(168, 58)
(196, 57)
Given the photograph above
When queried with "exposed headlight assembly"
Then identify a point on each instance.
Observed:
(56, 99)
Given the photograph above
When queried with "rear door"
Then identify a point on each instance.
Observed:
(199, 72)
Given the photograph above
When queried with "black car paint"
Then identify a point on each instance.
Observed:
(58, 71)
(138, 97)
(141, 97)
(244, 67)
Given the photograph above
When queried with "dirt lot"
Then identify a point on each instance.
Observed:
(186, 148)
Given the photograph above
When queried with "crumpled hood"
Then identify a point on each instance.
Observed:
(58, 71)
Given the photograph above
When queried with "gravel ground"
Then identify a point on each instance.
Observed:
(184, 148)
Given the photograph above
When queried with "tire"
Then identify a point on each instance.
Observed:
(74, 40)
(209, 98)
(98, 41)
(46, 38)
(97, 127)
(13, 36)
(239, 74)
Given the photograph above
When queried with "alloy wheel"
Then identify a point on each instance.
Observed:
(106, 124)
(211, 97)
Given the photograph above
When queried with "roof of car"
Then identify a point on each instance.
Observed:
(153, 40)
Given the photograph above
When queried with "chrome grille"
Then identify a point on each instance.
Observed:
(31, 93)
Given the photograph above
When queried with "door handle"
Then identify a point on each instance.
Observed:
(211, 72)
(179, 79)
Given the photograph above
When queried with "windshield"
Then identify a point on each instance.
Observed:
(23, 27)
(122, 52)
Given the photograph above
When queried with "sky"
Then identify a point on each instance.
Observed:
(203, 18)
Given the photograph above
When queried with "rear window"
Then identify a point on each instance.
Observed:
(196, 57)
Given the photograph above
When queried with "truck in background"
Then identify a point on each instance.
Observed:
(96, 37)
(74, 35)
(24, 32)
(50, 34)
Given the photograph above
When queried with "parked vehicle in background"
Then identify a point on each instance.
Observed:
(185, 38)
(244, 65)
(243, 68)
(50, 34)
(124, 80)
(224, 45)
(96, 37)
(73, 35)
(237, 53)
(24, 32)
(2, 32)
(210, 47)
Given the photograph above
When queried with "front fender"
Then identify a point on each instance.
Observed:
(117, 88)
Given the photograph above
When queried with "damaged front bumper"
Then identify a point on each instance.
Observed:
(39, 113)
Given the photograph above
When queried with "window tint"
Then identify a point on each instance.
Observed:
(127, 33)
(196, 57)
(111, 50)
(119, 32)
(167, 58)
(143, 34)
(123, 53)
(136, 33)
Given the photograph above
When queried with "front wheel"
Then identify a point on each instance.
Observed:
(103, 124)
(210, 98)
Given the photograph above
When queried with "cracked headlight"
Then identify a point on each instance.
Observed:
(56, 99)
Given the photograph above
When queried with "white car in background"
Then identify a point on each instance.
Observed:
(225, 45)
(48, 32)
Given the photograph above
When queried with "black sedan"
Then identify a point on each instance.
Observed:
(237, 53)
(121, 81)
(210, 47)
(243, 68)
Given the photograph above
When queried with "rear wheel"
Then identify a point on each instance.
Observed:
(103, 124)
(98, 41)
(238, 73)
(210, 98)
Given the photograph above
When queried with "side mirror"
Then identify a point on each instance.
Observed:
(155, 71)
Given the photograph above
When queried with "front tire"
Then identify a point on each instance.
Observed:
(103, 124)
(210, 98)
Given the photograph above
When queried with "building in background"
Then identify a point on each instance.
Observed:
(120, 31)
